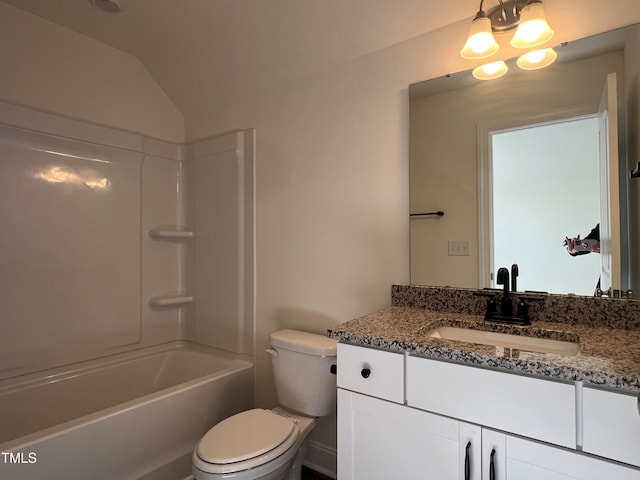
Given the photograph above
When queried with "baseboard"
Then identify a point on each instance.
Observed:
(321, 458)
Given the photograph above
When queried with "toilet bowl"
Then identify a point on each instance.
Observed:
(256, 444)
(269, 444)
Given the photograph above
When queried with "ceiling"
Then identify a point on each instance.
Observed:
(204, 52)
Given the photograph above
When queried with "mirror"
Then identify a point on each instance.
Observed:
(454, 126)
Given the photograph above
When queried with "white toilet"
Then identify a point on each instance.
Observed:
(269, 444)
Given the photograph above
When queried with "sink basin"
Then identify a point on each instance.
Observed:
(520, 342)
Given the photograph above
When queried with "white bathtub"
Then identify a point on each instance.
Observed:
(132, 416)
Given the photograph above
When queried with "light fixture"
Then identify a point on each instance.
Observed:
(480, 43)
(527, 15)
(533, 29)
(537, 59)
(490, 71)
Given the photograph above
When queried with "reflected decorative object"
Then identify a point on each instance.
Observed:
(537, 59)
(490, 71)
(532, 30)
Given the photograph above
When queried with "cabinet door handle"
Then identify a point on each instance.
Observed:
(365, 372)
(492, 467)
(467, 462)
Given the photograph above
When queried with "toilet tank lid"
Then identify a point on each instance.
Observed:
(304, 342)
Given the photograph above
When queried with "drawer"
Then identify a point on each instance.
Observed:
(611, 425)
(531, 407)
(372, 372)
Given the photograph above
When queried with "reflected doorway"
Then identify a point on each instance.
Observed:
(545, 183)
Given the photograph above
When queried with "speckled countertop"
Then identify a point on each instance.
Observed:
(608, 357)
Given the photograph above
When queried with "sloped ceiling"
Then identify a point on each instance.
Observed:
(204, 53)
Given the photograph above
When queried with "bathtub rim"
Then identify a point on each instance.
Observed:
(242, 362)
(77, 368)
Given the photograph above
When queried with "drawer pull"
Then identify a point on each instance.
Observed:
(492, 467)
(639, 403)
(365, 372)
(467, 462)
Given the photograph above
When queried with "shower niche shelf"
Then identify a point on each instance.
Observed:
(170, 300)
(171, 232)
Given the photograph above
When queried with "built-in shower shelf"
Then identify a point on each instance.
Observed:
(170, 299)
(171, 232)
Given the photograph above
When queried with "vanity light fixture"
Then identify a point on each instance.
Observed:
(490, 71)
(525, 15)
(533, 29)
(536, 59)
(480, 43)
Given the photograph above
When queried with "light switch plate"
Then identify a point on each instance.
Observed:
(458, 247)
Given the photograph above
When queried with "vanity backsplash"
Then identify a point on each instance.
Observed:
(615, 313)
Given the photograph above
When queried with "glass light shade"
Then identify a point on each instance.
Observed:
(537, 59)
(533, 29)
(480, 43)
(490, 71)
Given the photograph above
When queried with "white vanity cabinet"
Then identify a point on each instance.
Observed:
(611, 425)
(382, 440)
(445, 421)
(529, 460)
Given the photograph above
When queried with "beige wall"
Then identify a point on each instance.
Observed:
(632, 96)
(55, 70)
(443, 156)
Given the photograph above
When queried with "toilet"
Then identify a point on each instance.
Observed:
(269, 444)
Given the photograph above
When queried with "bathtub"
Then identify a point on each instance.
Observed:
(131, 416)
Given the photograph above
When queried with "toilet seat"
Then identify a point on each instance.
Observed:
(246, 440)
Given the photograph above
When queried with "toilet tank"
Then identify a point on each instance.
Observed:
(302, 371)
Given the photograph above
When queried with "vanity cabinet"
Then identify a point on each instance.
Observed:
(445, 421)
(378, 439)
(534, 408)
(611, 425)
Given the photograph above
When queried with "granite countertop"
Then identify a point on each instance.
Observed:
(608, 357)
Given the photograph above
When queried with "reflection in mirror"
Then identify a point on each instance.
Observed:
(520, 156)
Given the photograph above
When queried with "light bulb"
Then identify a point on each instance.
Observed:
(480, 43)
(490, 71)
(537, 59)
(533, 29)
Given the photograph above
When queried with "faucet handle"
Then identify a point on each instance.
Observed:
(522, 310)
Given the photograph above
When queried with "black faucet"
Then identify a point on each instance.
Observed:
(506, 306)
(506, 315)
(514, 276)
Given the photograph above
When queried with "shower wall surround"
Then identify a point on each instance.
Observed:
(81, 274)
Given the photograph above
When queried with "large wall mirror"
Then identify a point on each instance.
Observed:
(520, 163)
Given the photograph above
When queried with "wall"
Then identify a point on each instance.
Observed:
(332, 175)
(77, 264)
(444, 155)
(632, 100)
(55, 70)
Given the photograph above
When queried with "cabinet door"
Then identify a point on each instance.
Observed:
(611, 425)
(528, 460)
(380, 440)
(494, 455)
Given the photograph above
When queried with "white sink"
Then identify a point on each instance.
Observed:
(520, 342)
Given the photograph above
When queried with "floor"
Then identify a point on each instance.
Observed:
(308, 474)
